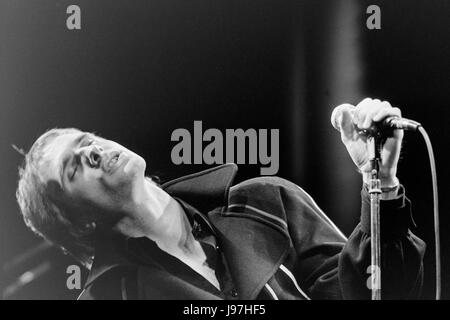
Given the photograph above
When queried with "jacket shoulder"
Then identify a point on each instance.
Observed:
(266, 198)
(280, 201)
(265, 185)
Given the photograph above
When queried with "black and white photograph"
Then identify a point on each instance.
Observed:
(224, 150)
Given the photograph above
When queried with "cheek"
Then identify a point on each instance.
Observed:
(99, 188)
(95, 198)
(88, 188)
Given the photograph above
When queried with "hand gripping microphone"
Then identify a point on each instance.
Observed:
(386, 125)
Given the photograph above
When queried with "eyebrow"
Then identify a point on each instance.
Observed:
(66, 158)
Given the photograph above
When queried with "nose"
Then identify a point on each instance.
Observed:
(95, 156)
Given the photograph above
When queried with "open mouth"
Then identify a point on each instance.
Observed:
(112, 162)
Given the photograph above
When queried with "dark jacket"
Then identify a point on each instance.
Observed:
(275, 238)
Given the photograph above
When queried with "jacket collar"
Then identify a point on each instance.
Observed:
(203, 190)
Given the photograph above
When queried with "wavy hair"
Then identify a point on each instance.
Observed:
(42, 208)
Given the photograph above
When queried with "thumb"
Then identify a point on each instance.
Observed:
(344, 120)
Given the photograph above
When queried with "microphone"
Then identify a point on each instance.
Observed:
(387, 125)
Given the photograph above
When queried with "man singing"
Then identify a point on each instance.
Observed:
(201, 237)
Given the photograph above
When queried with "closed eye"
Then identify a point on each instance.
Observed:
(75, 166)
(87, 142)
(77, 158)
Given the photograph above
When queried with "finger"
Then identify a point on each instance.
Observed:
(364, 102)
(345, 122)
(364, 112)
(362, 109)
(370, 113)
(336, 115)
(387, 111)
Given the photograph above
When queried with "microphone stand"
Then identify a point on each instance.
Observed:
(375, 194)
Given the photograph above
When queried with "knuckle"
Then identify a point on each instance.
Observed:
(387, 104)
(397, 111)
(364, 102)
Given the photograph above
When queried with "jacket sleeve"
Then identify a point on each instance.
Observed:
(333, 267)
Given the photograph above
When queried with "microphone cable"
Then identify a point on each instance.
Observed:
(435, 211)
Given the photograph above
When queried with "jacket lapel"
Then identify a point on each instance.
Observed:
(204, 190)
(254, 250)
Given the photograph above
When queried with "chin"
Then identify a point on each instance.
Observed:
(140, 164)
(135, 167)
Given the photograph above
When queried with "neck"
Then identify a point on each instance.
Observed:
(153, 213)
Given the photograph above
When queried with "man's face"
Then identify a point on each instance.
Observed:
(93, 173)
